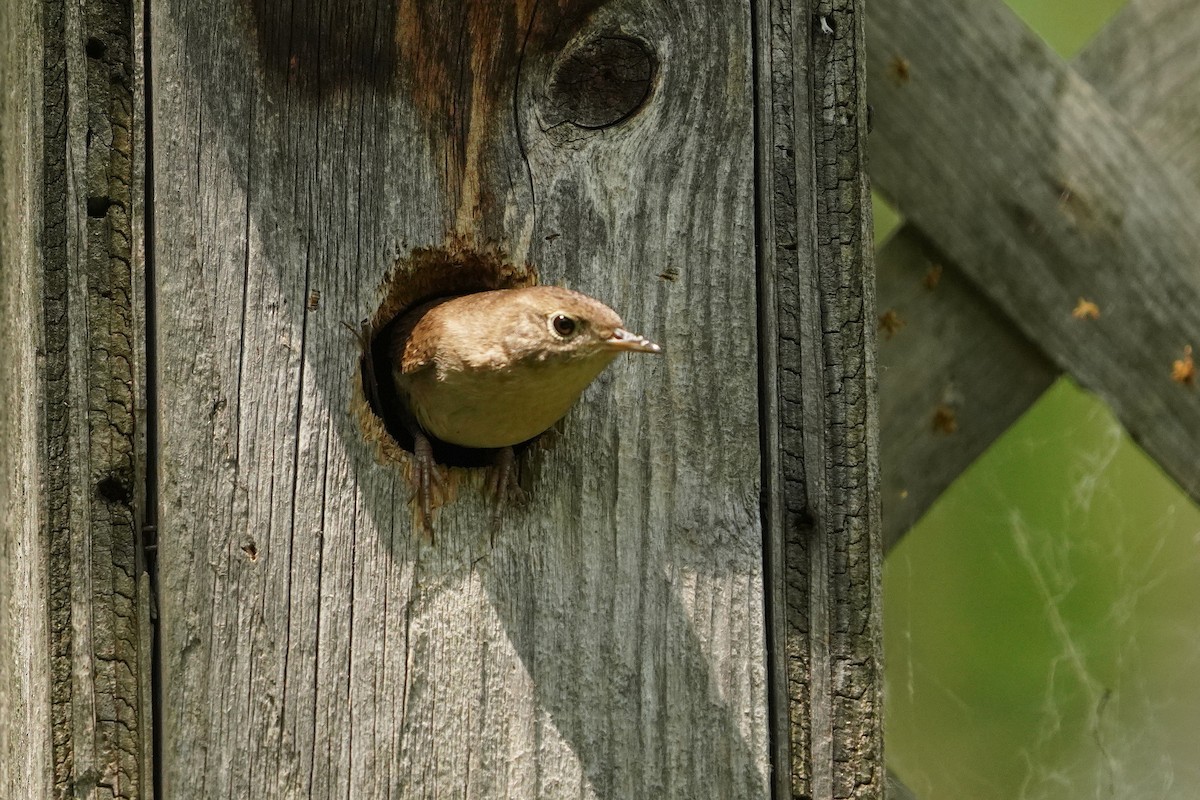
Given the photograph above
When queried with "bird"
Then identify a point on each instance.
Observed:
(493, 369)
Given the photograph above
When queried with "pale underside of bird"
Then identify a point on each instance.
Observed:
(494, 369)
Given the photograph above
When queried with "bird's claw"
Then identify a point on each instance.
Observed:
(426, 477)
(503, 483)
(503, 486)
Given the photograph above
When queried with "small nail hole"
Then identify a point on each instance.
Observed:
(113, 490)
(97, 207)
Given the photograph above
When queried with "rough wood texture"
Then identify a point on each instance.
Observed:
(26, 758)
(1065, 202)
(611, 643)
(821, 444)
(75, 365)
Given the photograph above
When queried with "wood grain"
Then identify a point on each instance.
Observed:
(1065, 202)
(611, 643)
(821, 440)
(26, 748)
(1145, 64)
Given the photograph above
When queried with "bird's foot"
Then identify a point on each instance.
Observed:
(425, 478)
(503, 485)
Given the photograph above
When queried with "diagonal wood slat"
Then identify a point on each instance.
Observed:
(1064, 201)
(1147, 66)
(1147, 38)
(944, 349)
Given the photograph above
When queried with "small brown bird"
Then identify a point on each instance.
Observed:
(494, 369)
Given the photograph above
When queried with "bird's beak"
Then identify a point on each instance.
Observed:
(623, 340)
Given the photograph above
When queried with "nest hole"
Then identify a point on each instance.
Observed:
(425, 274)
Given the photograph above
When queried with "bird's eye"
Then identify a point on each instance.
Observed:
(563, 325)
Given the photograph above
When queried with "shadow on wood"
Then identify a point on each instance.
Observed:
(611, 638)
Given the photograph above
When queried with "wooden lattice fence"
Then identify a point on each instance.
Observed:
(1033, 187)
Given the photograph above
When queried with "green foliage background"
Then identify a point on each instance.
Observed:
(1042, 622)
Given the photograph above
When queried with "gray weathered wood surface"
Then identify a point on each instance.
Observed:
(821, 450)
(26, 753)
(954, 374)
(611, 643)
(75, 678)
(1082, 215)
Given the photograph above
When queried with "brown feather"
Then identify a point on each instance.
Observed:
(414, 341)
(488, 370)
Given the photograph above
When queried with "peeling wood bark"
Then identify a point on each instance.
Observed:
(822, 498)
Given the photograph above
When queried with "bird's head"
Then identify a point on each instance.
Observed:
(548, 323)
(496, 368)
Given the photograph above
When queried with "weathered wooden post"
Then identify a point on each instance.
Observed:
(75, 653)
(687, 606)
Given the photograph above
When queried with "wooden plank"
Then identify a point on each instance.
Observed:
(76, 368)
(26, 750)
(1146, 66)
(611, 643)
(944, 348)
(1066, 203)
(1144, 63)
(109, 604)
(821, 441)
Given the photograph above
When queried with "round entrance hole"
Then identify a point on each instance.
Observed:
(425, 274)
